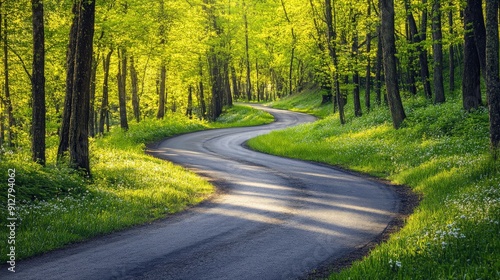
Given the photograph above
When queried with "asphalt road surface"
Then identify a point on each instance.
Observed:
(274, 218)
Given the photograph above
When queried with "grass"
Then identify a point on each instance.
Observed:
(55, 206)
(442, 153)
(308, 101)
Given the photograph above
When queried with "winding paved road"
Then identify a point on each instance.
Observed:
(275, 219)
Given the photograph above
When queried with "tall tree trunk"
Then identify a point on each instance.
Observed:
(92, 113)
(70, 75)
(38, 84)
(78, 131)
(368, 77)
(355, 77)
(189, 109)
(451, 51)
(122, 87)
(162, 98)
(104, 115)
(234, 81)
(471, 73)
(477, 21)
(135, 90)
(248, 82)
(332, 36)
(492, 74)
(378, 69)
(389, 52)
(424, 65)
(437, 47)
(8, 100)
(203, 106)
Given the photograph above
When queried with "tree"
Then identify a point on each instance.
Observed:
(437, 48)
(7, 98)
(122, 87)
(135, 90)
(38, 84)
(492, 74)
(389, 52)
(471, 76)
(104, 112)
(80, 60)
(332, 36)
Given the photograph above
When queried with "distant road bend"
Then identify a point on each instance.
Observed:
(275, 218)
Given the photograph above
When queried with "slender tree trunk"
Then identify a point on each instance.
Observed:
(471, 73)
(234, 80)
(135, 90)
(492, 74)
(248, 82)
(378, 69)
(70, 74)
(203, 106)
(104, 116)
(189, 109)
(332, 36)
(162, 98)
(451, 52)
(368, 77)
(477, 21)
(424, 65)
(92, 116)
(389, 52)
(38, 84)
(78, 131)
(8, 100)
(355, 77)
(437, 48)
(122, 89)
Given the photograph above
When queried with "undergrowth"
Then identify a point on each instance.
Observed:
(56, 205)
(442, 152)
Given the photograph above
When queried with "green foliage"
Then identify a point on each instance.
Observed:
(442, 153)
(56, 206)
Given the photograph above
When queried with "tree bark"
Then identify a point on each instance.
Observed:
(78, 131)
(248, 82)
(162, 98)
(437, 47)
(122, 87)
(38, 84)
(104, 115)
(189, 109)
(92, 112)
(135, 90)
(477, 21)
(355, 76)
(471, 75)
(332, 36)
(389, 52)
(451, 53)
(493, 75)
(203, 106)
(70, 75)
(368, 61)
(378, 69)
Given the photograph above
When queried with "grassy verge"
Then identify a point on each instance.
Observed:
(56, 206)
(442, 153)
(308, 101)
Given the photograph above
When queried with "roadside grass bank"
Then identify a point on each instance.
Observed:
(442, 153)
(56, 206)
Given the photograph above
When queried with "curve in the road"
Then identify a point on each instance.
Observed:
(276, 219)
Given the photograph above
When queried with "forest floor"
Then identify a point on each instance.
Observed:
(441, 152)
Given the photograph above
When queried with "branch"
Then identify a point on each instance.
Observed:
(22, 62)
